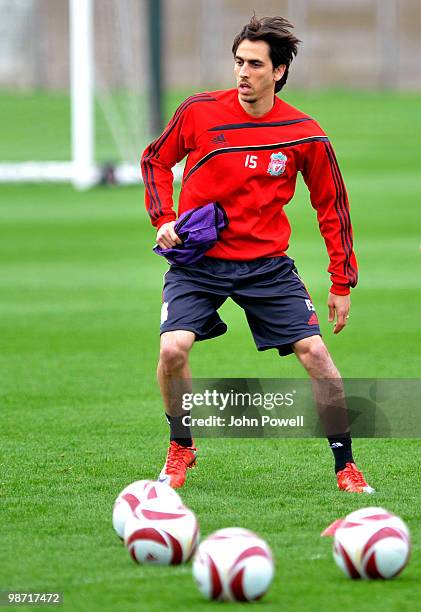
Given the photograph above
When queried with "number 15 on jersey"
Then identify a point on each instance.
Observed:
(251, 161)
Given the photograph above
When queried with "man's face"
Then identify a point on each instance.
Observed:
(254, 72)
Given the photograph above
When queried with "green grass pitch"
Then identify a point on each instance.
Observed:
(81, 414)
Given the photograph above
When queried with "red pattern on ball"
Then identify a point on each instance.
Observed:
(236, 586)
(152, 494)
(132, 500)
(353, 572)
(371, 567)
(381, 534)
(154, 515)
(146, 533)
(177, 552)
(253, 551)
(215, 579)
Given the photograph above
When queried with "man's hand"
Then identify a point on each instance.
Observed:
(339, 305)
(166, 236)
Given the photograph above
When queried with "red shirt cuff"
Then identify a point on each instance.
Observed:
(340, 289)
(164, 219)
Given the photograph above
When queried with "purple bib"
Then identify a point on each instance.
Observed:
(199, 229)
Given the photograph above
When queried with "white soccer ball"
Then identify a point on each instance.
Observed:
(233, 565)
(134, 494)
(372, 543)
(161, 533)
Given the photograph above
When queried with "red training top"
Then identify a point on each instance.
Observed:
(250, 167)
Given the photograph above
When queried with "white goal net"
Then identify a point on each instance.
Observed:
(90, 56)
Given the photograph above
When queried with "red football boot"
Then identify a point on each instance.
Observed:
(351, 479)
(179, 459)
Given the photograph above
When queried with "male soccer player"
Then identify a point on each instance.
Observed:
(244, 148)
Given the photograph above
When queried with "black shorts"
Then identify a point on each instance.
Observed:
(278, 307)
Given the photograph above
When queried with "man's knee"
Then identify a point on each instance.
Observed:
(312, 352)
(174, 351)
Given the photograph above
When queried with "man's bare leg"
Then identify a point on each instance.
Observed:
(328, 390)
(174, 380)
(173, 370)
(330, 401)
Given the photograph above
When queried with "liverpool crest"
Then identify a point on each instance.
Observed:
(277, 164)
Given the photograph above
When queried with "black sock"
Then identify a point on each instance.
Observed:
(179, 432)
(341, 446)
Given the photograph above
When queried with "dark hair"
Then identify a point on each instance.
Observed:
(275, 31)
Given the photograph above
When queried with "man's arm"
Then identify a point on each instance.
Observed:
(329, 198)
(157, 162)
